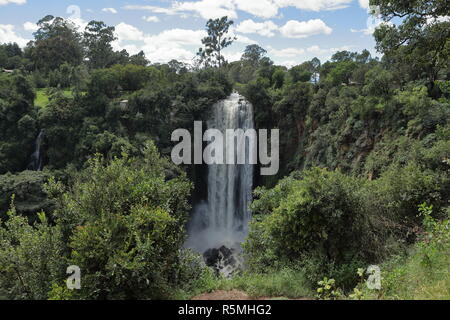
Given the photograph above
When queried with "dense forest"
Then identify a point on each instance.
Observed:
(86, 177)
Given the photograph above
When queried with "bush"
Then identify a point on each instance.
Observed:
(122, 222)
(125, 225)
(27, 188)
(320, 213)
(330, 224)
(31, 257)
(284, 283)
(391, 200)
(422, 273)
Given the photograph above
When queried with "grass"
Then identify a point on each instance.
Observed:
(42, 98)
(280, 285)
(286, 283)
(424, 275)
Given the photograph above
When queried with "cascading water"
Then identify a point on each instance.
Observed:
(37, 158)
(223, 219)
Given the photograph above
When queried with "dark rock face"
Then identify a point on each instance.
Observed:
(223, 260)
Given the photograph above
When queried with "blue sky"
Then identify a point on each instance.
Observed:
(292, 31)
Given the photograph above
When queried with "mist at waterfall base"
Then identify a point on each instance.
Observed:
(222, 219)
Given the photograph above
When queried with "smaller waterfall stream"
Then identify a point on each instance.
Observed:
(37, 158)
(223, 219)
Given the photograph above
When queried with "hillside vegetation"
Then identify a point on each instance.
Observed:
(364, 177)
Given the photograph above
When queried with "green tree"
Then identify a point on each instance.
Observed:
(253, 54)
(31, 257)
(215, 42)
(97, 39)
(420, 43)
(18, 125)
(125, 225)
(300, 73)
(56, 42)
(139, 59)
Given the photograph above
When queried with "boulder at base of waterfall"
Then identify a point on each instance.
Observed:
(220, 258)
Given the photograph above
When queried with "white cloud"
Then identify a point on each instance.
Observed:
(372, 24)
(317, 50)
(265, 29)
(367, 31)
(110, 10)
(126, 32)
(79, 23)
(178, 36)
(364, 4)
(30, 26)
(154, 9)
(304, 29)
(232, 56)
(211, 9)
(260, 8)
(245, 40)
(294, 56)
(8, 34)
(208, 9)
(240, 38)
(286, 53)
(5, 2)
(151, 18)
(292, 28)
(179, 44)
(341, 48)
(314, 5)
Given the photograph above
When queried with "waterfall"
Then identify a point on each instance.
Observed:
(37, 158)
(223, 218)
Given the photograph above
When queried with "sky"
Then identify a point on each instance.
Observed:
(292, 31)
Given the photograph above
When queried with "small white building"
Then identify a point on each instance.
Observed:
(124, 104)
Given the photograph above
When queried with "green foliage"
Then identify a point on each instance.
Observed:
(17, 123)
(316, 215)
(29, 194)
(122, 222)
(97, 39)
(216, 41)
(284, 283)
(56, 42)
(12, 57)
(327, 289)
(422, 273)
(193, 277)
(419, 44)
(382, 123)
(300, 74)
(31, 256)
(125, 225)
(331, 224)
(397, 193)
(253, 54)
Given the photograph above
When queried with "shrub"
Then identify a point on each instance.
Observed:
(122, 222)
(31, 257)
(126, 227)
(317, 217)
